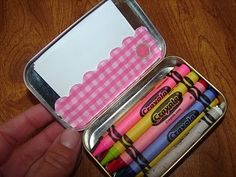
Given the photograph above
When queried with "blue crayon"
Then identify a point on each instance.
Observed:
(169, 134)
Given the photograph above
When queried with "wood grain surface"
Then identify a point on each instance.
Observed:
(203, 32)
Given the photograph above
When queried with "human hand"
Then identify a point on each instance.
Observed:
(52, 152)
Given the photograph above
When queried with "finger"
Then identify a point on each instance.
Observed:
(61, 157)
(23, 157)
(19, 128)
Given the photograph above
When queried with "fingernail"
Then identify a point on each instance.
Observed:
(70, 138)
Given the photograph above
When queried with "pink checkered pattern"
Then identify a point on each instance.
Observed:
(112, 77)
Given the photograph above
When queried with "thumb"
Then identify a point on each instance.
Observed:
(60, 159)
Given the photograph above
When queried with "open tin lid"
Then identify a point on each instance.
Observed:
(94, 62)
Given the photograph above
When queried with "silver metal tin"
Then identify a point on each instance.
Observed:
(92, 135)
(136, 17)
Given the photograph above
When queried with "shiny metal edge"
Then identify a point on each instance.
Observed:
(108, 121)
(152, 29)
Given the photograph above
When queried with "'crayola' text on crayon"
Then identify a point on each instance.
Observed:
(154, 100)
(182, 124)
(166, 108)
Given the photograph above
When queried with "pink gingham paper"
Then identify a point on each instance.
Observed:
(112, 77)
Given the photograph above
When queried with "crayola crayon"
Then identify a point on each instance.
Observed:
(186, 143)
(141, 108)
(163, 153)
(152, 133)
(154, 117)
(173, 131)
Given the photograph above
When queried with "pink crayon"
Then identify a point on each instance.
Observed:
(155, 131)
(114, 133)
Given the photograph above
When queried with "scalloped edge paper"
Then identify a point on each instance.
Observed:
(112, 77)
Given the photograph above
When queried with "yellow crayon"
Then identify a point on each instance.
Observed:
(177, 140)
(153, 118)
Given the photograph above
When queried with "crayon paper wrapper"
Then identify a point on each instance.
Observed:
(99, 88)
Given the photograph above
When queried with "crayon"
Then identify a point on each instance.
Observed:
(141, 108)
(197, 131)
(152, 133)
(169, 134)
(156, 116)
(145, 171)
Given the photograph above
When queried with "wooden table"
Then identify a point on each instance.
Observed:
(202, 32)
